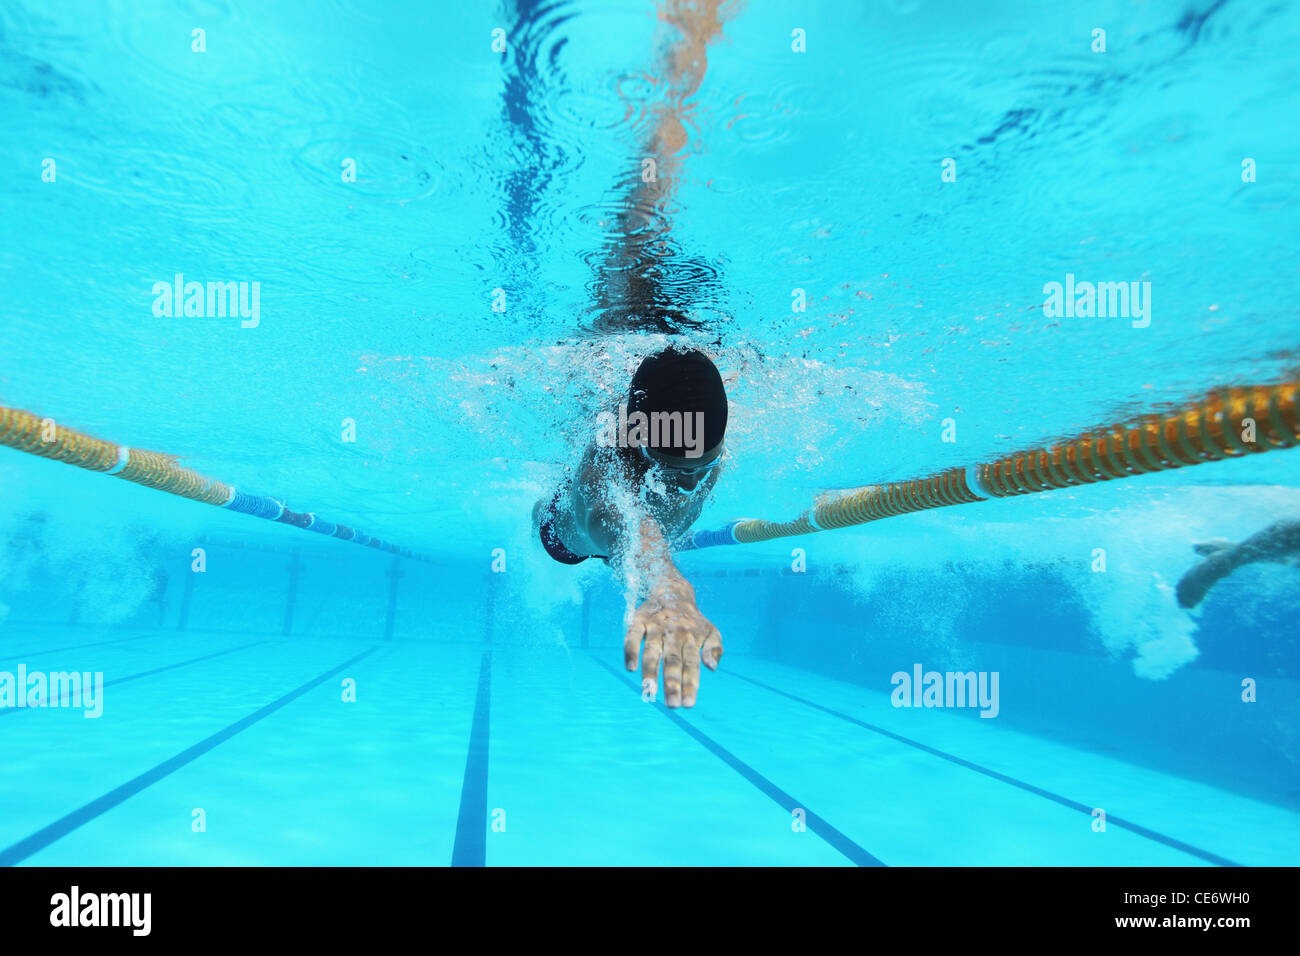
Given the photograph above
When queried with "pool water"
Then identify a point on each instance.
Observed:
(434, 337)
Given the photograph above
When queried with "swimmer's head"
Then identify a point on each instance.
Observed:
(685, 404)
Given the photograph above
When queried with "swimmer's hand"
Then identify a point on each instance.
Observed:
(1196, 583)
(676, 631)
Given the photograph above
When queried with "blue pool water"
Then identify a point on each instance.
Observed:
(434, 337)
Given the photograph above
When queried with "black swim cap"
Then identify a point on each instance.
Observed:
(686, 382)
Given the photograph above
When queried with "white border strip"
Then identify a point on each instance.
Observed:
(123, 456)
(974, 484)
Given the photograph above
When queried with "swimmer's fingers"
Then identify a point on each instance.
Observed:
(654, 646)
(632, 643)
(673, 670)
(690, 672)
(712, 649)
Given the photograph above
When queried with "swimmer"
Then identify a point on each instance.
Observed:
(1278, 543)
(629, 500)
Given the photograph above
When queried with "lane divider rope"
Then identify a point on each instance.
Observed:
(37, 436)
(1213, 429)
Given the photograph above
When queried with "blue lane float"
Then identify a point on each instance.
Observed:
(24, 431)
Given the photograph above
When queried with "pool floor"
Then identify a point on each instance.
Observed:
(511, 755)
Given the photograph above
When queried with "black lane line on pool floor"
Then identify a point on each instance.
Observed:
(65, 825)
(1000, 777)
(156, 670)
(470, 848)
(815, 823)
(73, 647)
(321, 636)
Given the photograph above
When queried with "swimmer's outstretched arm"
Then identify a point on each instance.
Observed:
(1275, 543)
(643, 223)
(668, 621)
